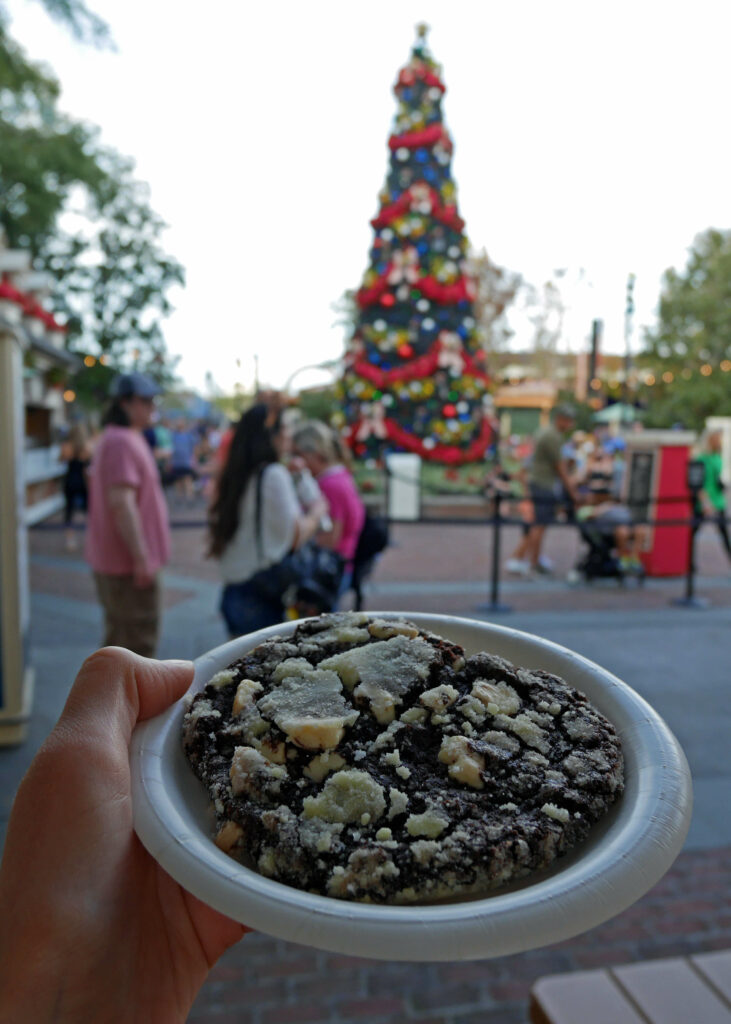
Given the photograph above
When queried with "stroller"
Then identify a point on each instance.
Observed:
(599, 560)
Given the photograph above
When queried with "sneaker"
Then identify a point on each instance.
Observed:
(518, 566)
(544, 565)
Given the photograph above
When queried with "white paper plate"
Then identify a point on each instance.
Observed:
(624, 856)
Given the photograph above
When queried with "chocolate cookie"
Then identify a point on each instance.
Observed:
(367, 759)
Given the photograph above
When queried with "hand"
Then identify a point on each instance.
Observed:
(91, 927)
(142, 575)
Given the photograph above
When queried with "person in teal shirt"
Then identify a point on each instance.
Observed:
(712, 498)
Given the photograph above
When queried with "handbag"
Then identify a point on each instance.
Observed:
(373, 538)
(309, 574)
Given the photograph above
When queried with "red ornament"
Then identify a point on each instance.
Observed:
(449, 412)
(405, 351)
(387, 299)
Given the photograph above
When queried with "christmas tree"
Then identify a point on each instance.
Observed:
(414, 376)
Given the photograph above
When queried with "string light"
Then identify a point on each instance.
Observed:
(726, 365)
(649, 380)
(668, 377)
(69, 395)
(706, 369)
(89, 361)
(595, 384)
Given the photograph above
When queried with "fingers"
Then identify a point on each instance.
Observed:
(116, 688)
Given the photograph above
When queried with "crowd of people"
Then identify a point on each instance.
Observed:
(574, 476)
(284, 513)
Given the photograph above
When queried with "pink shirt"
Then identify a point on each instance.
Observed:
(341, 494)
(123, 457)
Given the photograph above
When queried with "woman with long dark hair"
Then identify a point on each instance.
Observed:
(256, 518)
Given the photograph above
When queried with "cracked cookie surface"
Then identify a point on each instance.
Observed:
(363, 758)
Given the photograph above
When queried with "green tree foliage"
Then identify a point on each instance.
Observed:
(77, 208)
(689, 352)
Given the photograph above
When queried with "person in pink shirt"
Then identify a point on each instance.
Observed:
(128, 535)
(320, 450)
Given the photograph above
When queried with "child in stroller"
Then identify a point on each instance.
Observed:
(613, 540)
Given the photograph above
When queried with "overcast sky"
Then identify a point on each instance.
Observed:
(592, 137)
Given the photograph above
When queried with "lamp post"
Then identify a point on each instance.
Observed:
(629, 309)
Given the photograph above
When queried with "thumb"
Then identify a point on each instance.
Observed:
(115, 689)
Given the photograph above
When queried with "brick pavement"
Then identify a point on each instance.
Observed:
(445, 569)
(265, 981)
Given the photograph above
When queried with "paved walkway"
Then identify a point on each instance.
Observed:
(676, 658)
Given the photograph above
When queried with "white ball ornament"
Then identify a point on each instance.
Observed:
(387, 234)
(454, 251)
(423, 305)
(429, 443)
(380, 325)
(402, 153)
(427, 323)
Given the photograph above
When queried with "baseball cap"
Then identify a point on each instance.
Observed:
(567, 411)
(128, 385)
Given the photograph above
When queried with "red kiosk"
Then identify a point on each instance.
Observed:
(656, 489)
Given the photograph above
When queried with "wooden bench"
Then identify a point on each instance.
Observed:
(682, 990)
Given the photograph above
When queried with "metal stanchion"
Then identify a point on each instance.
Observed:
(495, 605)
(695, 479)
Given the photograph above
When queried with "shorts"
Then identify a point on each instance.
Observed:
(131, 614)
(545, 502)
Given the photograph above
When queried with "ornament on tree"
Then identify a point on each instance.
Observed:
(404, 267)
(450, 352)
(416, 356)
(373, 423)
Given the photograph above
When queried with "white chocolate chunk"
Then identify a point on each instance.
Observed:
(384, 629)
(382, 672)
(559, 813)
(250, 769)
(465, 764)
(498, 697)
(321, 765)
(345, 797)
(222, 678)
(383, 835)
(528, 730)
(429, 824)
(310, 709)
(399, 802)
(291, 667)
(245, 694)
(439, 698)
(413, 716)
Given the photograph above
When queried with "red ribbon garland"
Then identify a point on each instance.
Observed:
(424, 366)
(449, 454)
(407, 77)
(29, 305)
(445, 294)
(425, 137)
(446, 214)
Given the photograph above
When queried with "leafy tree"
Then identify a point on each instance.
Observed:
(689, 351)
(77, 208)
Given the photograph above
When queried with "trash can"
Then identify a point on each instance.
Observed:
(403, 487)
